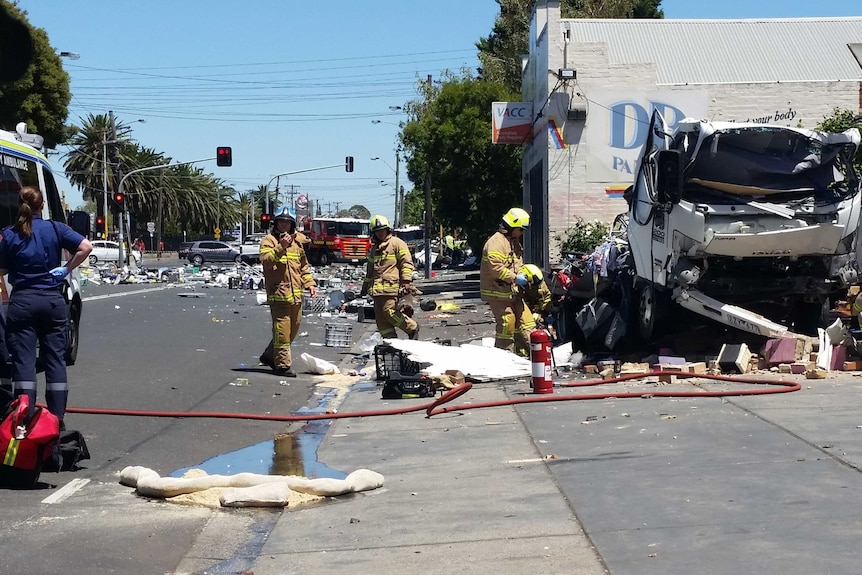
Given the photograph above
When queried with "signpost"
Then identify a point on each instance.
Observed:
(151, 227)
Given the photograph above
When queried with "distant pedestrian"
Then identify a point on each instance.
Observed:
(31, 252)
(502, 260)
(389, 274)
(286, 277)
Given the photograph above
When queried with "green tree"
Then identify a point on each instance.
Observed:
(359, 211)
(448, 135)
(41, 97)
(838, 122)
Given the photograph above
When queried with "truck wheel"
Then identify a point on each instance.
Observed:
(72, 334)
(652, 311)
(323, 259)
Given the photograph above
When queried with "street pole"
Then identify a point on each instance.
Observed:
(397, 169)
(427, 230)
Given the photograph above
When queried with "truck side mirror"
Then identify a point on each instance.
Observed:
(669, 178)
(80, 222)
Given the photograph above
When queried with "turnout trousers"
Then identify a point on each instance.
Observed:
(38, 316)
(286, 318)
(388, 317)
(514, 322)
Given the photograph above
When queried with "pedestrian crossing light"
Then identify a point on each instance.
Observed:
(224, 156)
(348, 164)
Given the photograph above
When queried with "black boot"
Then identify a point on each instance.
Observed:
(284, 371)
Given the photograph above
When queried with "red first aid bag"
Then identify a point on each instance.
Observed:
(26, 445)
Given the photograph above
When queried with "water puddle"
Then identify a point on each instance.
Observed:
(288, 454)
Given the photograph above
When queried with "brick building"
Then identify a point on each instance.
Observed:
(593, 85)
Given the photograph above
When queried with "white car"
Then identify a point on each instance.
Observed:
(105, 251)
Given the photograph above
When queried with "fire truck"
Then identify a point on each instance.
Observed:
(338, 240)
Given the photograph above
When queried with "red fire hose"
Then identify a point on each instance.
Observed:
(437, 406)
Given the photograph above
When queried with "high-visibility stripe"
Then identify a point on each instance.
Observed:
(11, 451)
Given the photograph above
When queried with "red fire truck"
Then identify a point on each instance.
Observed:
(338, 240)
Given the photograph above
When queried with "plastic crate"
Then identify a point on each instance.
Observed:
(388, 359)
(315, 304)
(338, 335)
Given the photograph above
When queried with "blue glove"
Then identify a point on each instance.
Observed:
(59, 272)
(521, 280)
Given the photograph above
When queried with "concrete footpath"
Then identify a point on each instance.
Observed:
(754, 484)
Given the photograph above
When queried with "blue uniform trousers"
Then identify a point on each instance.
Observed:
(33, 316)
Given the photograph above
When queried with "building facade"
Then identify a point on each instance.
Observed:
(594, 84)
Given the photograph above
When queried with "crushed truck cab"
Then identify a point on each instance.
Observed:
(755, 226)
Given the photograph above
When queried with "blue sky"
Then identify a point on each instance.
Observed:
(289, 84)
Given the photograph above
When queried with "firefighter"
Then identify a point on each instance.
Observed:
(286, 276)
(31, 252)
(534, 291)
(389, 274)
(502, 259)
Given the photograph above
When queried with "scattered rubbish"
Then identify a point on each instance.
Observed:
(240, 382)
(310, 364)
(191, 294)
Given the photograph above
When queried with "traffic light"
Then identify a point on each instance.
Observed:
(119, 200)
(264, 220)
(348, 164)
(224, 156)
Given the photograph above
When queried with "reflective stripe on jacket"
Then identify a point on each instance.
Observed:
(502, 259)
(389, 265)
(538, 298)
(286, 272)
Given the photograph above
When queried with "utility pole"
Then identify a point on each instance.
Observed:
(427, 231)
(291, 193)
(401, 206)
(397, 169)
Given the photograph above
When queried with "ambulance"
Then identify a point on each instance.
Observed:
(22, 164)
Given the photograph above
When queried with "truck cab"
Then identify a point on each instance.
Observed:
(338, 240)
(22, 164)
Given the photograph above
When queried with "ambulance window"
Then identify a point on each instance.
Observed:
(15, 173)
(52, 198)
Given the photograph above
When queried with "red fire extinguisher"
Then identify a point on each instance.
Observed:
(540, 356)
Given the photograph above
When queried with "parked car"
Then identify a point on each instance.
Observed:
(210, 251)
(250, 248)
(108, 251)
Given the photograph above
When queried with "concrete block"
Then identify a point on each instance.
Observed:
(671, 368)
(784, 368)
(734, 358)
(816, 374)
(629, 368)
(667, 378)
(696, 367)
(799, 367)
(591, 369)
(780, 350)
(839, 356)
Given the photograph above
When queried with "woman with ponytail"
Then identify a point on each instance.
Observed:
(31, 253)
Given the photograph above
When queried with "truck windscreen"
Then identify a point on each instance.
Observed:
(354, 229)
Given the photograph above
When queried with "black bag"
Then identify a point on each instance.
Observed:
(70, 450)
(407, 386)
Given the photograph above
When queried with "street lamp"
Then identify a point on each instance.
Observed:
(105, 143)
(397, 219)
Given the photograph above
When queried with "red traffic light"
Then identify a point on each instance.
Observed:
(119, 199)
(100, 221)
(224, 156)
(264, 220)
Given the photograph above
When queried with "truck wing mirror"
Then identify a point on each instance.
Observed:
(669, 178)
(80, 222)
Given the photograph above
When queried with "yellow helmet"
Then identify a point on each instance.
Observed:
(380, 223)
(533, 273)
(516, 218)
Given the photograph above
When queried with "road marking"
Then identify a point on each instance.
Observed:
(121, 294)
(66, 491)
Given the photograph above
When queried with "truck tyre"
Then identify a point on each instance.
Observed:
(324, 259)
(73, 333)
(653, 309)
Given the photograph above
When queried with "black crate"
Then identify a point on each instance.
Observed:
(388, 359)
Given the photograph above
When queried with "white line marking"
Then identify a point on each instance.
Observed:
(121, 294)
(66, 491)
(525, 460)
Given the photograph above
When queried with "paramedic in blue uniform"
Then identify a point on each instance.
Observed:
(31, 252)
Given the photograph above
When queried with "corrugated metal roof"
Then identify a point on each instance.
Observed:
(727, 51)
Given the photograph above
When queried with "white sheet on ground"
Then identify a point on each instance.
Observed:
(472, 360)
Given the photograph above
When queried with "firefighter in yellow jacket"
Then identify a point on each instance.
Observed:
(286, 275)
(389, 273)
(502, 259)
(534, 291)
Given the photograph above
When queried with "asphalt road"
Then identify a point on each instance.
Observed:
(154, 348)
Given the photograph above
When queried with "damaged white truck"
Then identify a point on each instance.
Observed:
(754, 226)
